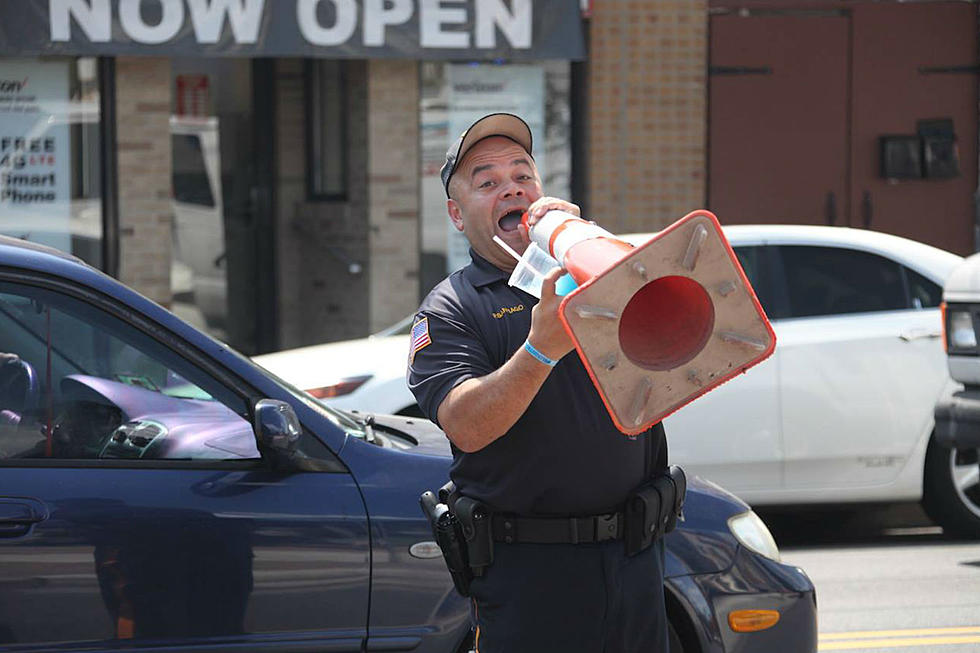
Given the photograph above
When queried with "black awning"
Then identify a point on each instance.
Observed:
(511, 30)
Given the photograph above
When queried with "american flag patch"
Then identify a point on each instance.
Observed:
(420, 337)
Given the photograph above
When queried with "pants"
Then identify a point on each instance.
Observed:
(587, 598)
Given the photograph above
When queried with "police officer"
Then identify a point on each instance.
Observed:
(531, 438)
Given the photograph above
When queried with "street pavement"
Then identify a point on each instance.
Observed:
(887, 580)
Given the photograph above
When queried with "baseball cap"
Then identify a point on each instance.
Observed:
(494, 124)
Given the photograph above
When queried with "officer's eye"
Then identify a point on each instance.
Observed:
(487, 184)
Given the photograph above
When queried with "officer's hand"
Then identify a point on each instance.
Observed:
(544, 204)
(547, 333)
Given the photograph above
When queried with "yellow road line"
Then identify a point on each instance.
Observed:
(908, 632)
(902, 642)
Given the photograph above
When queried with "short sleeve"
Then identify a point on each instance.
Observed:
(443, 352)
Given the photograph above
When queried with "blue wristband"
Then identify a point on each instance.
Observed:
(537, 354)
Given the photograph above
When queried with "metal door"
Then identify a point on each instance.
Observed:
(778, 97)
(915, 62)
(800, 100)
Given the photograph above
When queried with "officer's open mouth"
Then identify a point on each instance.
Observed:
(510, 220)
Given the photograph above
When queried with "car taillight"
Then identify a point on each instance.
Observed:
(340, 388)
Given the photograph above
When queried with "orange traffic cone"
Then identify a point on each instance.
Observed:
(660, 324)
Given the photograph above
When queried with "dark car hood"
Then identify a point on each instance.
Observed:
(428, 438)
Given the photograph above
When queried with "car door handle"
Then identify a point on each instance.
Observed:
(919, 334)
(19, 514)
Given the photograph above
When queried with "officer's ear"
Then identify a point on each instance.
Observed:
(455, 213)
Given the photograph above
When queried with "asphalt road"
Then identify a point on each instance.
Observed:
(887, 580)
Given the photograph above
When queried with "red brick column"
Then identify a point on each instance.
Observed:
(647, 153)
(143, 142)
(393, 195)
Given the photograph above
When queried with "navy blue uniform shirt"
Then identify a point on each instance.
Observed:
(564, 456)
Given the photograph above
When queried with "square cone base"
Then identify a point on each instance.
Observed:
(673, 319)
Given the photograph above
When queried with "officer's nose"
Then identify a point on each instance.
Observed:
(513, 190)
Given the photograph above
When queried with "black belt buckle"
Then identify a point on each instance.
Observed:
(606, 527)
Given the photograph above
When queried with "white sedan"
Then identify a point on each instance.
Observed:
(842, 412)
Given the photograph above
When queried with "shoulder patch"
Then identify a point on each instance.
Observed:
(420, 337)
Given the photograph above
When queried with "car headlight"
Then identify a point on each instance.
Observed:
(960, 333)
(753, 533)
(339, 388)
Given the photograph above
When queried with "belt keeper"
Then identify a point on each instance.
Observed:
(573, 530)
(607, 527)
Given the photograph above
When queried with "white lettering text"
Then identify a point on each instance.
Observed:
(376, 17)
(93, 17)
(171, 20)
(244, 16)
(431, 20)
(516, 25)
(342, 29)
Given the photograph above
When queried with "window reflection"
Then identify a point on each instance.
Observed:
(76, 383)
(50, 155)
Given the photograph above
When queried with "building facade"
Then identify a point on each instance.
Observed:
(273, 175)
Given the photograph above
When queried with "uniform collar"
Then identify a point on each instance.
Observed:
(481, 272)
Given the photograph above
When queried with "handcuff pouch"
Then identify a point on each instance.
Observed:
(474, 518)
(653, 510)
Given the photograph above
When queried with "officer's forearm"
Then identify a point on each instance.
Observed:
(478, 411)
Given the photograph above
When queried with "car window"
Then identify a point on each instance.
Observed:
(754, 261)
(190, 175)
(924, 293)
(79, 383)
(837, 281)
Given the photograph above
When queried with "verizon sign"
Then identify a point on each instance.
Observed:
(420, 29)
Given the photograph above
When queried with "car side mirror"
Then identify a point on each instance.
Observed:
(277, 431)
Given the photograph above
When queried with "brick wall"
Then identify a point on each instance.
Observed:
(647, 120)
(320, 299)
(145, 208)
(393, 201)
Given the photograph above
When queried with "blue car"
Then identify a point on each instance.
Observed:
(159, 491)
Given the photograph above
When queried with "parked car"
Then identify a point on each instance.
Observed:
(842, 412)
(954, 487)
(158, 486)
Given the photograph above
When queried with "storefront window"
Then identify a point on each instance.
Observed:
(326, 124)
(213, 253)
(50, 154)
(453, 96)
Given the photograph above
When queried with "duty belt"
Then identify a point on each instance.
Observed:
(557, 530)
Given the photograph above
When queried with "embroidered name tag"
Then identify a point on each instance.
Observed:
(507, 310)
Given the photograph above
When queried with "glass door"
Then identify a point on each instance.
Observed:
(213, 265)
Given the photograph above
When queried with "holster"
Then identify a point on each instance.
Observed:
(653, 510)
(474, 517)
(449, 536)
(473, 532)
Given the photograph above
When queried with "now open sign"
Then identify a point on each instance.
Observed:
(513, 30)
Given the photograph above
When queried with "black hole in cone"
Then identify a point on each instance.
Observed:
(666, 323)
